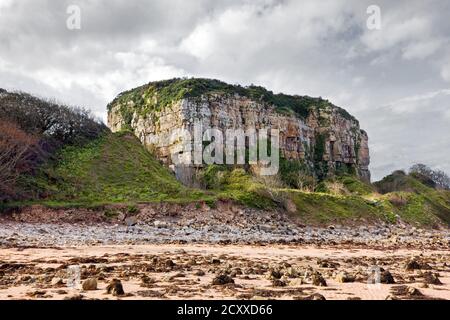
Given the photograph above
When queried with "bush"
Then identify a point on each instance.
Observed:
(18, 153)
(213, 176)
(296, 174)
(57, 124)
(397, 199)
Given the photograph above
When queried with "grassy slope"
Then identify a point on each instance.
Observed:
(413, 201)
(116, 168)
(112, 169)
(311, 207)
(341, 199)
(325, 208)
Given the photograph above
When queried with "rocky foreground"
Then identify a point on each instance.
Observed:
(246, 255)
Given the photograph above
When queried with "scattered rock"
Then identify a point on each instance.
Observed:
(318, 280)
(405, 291)
(274, 275)
(37, 294)
(278, 283)
(160, 224)
(315, 296)
(115, 288)
(412, 265)
(344, 277)
(416, 265)
(431, 278)
(384, 277)
(199, 273)
(150, 294)
(26, 278)
(74, 297)
(169, 263)
(89, 284)
(414, 292)
(222, 279)
(57, 281)
(146, 281)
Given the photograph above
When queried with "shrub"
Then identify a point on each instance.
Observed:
(18, 153)
(296, 174)
(57, 124)
(397, 199)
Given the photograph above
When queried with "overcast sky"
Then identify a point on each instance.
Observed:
(395, 80)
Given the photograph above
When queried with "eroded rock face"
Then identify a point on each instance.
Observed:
(327, 135)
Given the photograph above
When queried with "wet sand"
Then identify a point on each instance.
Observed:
(187, 271)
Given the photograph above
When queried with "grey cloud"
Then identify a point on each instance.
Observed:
(304, 47)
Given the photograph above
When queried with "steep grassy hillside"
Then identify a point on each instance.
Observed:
(32, 130)
(413, 200)
(340, 199)
(311, 207)
(114, 168)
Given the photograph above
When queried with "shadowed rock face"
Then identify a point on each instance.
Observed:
(326, 135)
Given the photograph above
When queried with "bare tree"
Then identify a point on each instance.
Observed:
(15, 150)
(439, 178)
(60, 123)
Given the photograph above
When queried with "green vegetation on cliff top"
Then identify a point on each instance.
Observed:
(155, 96)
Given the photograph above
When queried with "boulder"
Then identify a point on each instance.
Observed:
(344, 277)
(222, 279)
(89, 284)
(431, 278)
(115, 288)
(318, 280)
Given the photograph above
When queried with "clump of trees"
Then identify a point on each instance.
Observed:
(59, 124)
(434, 178)
(32, 129)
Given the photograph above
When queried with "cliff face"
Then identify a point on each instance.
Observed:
(326, 138)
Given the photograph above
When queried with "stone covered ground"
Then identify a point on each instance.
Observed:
(229, 254)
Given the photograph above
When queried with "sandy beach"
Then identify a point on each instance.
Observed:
(254, 255)
(187, 271)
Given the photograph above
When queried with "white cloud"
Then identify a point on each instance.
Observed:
(396, 31)
(421, 50)
(421, 102)
(447, 114)
(445, 72)
(318, 48)
(5, 3)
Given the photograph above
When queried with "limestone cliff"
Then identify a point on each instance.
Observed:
(312, 130)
